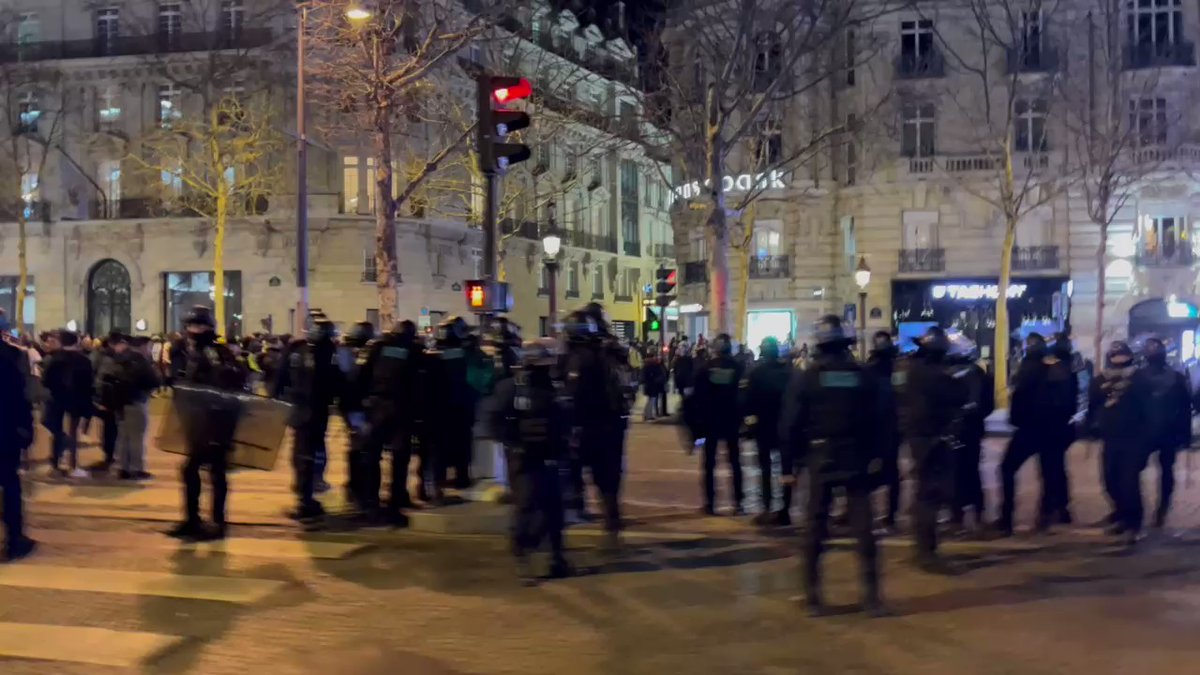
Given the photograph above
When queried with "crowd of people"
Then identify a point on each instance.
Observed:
(561, 408)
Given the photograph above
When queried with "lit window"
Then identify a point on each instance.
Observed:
(233, 14)
(917, 131)
(109, 175)
(172, 180)
(1031, 126)
(108, 107)
(350, 184)
(170, 23)
(30, 189)
(371, 187)
(170, 108)
(28, 112)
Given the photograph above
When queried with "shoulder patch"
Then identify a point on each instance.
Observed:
(395, 353)
(450, 354)
(722, 375)
(899, 377)
(839, 379)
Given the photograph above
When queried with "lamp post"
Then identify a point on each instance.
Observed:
(862, 277)
(353, 12)
(551, 245)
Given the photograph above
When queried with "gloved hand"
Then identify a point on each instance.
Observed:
(358, 420)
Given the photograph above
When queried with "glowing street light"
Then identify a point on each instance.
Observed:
(356, 12)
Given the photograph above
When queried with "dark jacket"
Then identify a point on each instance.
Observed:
(979, 400)
(67, 376)
(684, 371)
(1168, 418)
(1117, 407)
(526, 416)
(595, 394)
(882, 365)
(138, 378)
(929, 400)
(310, 380)
(763, 398)
(16, 413)
(717, 395)
(390, 378)
(654, 377)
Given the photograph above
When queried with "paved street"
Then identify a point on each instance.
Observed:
(108, 594)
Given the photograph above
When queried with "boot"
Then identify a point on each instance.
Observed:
(525, 571)
(1160, 518)
(560, 568)
(781, 518)
(188, 530)
(932, 563)
(762, 520)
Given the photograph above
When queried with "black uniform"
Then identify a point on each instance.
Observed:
(882, 364)
(311, 382)
(451, 411)
(16, 434)
(716, 393)
(765, 389)
(930, 403)
(1167, 426)
(351, 357)
(823, 424)
(528, 418)
(596, 404)
(1044, 401)
(980, 399)
(1117, 409)
(391, 382)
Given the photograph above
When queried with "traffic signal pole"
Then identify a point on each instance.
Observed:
(490, 205)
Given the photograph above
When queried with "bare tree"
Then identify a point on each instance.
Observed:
(217, 166)
(1002, 77)
(377, 74)
(735, 69)
(1121, 135)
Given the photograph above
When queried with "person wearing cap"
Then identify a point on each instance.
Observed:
(764, 392)
(822, 425)
(1118, 405)
(1168, 427)
(717, 392)
(209, 367)
(930, 401)
(528, 419)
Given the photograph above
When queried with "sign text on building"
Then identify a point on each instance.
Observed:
(975, 291)
(771, 180)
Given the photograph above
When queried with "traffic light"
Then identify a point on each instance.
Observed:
(651, 324)
(494, 92)
(486, 297)
(665, 286)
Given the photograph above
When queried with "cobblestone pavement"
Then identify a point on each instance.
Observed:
(108, 594)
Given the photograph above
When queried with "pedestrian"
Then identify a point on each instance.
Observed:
(823, 425)
(716, 392)
(764, 397)
(980, 401)
(211, 369)
(1118, 406)
(451, 411)
(882, 365)
(1168, 426)
(108, 394)
(68, 379)
(654, 384)
(526, 415)
(1045, 400)
(16, 435)
(138, 382)
(930, 401)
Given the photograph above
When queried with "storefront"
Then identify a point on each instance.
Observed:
(1040, 304)
(183, 291)
(764, 323)
(1176, 322)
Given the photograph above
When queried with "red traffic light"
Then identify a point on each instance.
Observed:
(513, 92)
(671, 277)
(476, 295)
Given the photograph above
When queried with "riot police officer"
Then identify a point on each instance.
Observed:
(1118, 406)
(451, 410)
(529, 420)
(765, 387)
(980, 401)
(716, 393)
(882, 364)
(310, 381)
(351, 357)
(1169, 424)
(930, 402)
(823, 423)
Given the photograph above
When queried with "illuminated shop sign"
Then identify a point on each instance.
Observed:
(975, 291)
(771, 180)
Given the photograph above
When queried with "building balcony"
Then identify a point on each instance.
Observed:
(976, 163)
(770, 267)
(695, 272)
(923, 260)
(1039, 59)
(663, 250)
(596, 242)
(526, 229)
(1180, 255)
(35, 211)
(1032, 258)
(930, 64)
(1177, 153)
(135, 45)
(632, 247)
(1159, 55)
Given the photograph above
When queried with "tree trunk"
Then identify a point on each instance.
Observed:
(219, 262)
(385, 221)
(1101, 291)
(22, 272)
(744, 290)
(718, 311)
(1001, 339)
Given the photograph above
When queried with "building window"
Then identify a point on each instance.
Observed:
(350, 185)
(172, 180)
(108, 28)
(170, 108)
(597, 178)
(29, 111)
(851, 56)
(850, 151)
(108, 107)
(1148, 120)
(1164, 239)
(570, 162)
(1154, 23)
(30, 190)
(8, 299)
(370, 273)
(916, 44)
(1031, 37)
(598, 282)
(768, 242)
(767, 61)
(770, 130)
(544, 280)
(920, 230)
(170, 24)
(573, 279)
(185, 290)
(1031, 126)
(233, 14)
(109, 174)
(917, 130)
(629, 207)
(29, 29)
(371, 187)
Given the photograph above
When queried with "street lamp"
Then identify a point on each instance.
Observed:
(862, 277)
(356, 12)
(551, 245)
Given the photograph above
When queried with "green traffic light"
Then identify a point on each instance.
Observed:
(653, 325)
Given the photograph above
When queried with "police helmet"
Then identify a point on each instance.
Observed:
(539, 352)
(595, 311)
(882, 341)
(722, 345)
(580, 325)
(322, 329)
(1154, 350)
(769, 349)
(828, 331)
(1119, 355)
(1061, 346)
(200, 316)
(362, 333)
(961, 347)
(454, 327)
(934, 341)
(405, 329)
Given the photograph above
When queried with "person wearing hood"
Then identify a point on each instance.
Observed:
(930, 405)
(882, 364)
(1117, 409)
(1168, 424)
(764, 393)
(1044, 402)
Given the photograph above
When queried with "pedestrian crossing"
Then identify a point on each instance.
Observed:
(101, 645)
